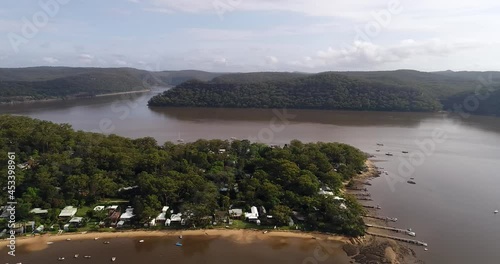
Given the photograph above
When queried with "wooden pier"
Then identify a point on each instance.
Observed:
(385, 218)
(411, 241)
(372, 207)
(398, 230)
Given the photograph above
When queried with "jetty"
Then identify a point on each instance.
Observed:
(362, 194)
(372, 206)
(364, 199)
(398, 230)
(385, 218)
(357, 189)
(407, 240)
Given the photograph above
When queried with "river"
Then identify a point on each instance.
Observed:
(453, 159)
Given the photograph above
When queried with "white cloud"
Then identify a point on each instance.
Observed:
(86, 58)
(363, 54)
(50, 60)
(121, 62)
(271, 60)
(159, 10)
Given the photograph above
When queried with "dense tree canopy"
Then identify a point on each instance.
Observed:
(319, 91)
(80, 168)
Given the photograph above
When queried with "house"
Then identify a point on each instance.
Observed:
(176, 218)
(253, 216)
(39, 211)
(323, 192)
(128, 215)
(114, 217)
(99, 208)
(111, 209)
(76, 221)
(221, 151)
(68, 212)
(162, 217)
(236, 213)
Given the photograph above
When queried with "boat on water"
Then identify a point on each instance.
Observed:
(412, 234)
(411, 182)
(50, 243)
(405, 152)
(378, 150)
(495, 212)
(87, 256)
(180, 236)
(380, 144)
(68, 239)
(141, 241)
(179, 244)
(179, 139)
(389, 154)
(113, 258)
(106, 242)
(76, 255)
(61, 259)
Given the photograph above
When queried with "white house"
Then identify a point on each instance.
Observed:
(163, 215)
(39, 211)
(68, 211)
(76, 221)
(129, 214)
(176, 217)
(253, 215)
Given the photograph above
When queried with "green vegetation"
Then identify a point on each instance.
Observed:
(83, 169)
(39, 83)
(320, 91)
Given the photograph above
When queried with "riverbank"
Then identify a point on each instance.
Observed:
(372, 249)
(73, 97)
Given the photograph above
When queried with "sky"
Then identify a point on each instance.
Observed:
(252, 35)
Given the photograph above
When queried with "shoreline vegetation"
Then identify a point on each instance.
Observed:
(73, 97)
(362, 249)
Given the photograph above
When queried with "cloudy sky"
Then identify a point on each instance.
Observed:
(252, 35)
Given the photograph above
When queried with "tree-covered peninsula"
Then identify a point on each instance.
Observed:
(320, 91)
(58, 167)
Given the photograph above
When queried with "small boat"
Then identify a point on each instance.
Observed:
(378, 207)
(76, 255)
(411, 182)
(178, 244)
(389, 154)
(380, 144)
(378, 150)
(113, 258)
(50, 243)
(141, 241)
(106, 242)
(495, 212)
(96, 238)
(87, 257)
(426, 249)
(405, 152)
(68, 239)
(180, 236)
(61, 259)
(411, 234)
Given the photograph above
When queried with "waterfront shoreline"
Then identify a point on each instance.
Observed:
(73, 98)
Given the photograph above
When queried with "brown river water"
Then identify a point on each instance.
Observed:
(454, 161)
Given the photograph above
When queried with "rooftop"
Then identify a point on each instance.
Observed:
(39, 211)
(68, 211)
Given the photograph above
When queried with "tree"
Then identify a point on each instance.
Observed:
(281, 213)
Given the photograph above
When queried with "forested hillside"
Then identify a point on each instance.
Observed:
(319, 91)
(78, 168)
(38, 83)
